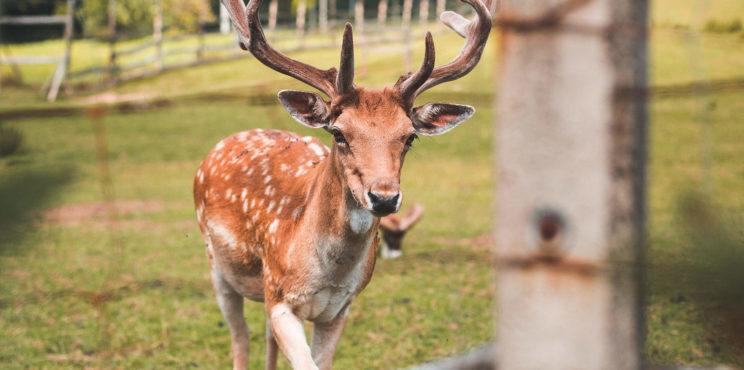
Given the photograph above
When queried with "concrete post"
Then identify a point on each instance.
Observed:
(571, 199)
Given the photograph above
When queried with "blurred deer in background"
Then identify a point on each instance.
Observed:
(287, 221)
(393, 228)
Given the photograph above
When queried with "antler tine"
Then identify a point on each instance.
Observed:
(236, 10)
(345, 77)
(252, 37)
(475, 32)
(407, 87)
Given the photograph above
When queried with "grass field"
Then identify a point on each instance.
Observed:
(76, 290)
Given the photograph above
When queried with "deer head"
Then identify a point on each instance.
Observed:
(372, 129)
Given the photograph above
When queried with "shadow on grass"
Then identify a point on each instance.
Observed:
(706, 267)
(23, 193)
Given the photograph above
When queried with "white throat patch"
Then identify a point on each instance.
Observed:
(360, 220)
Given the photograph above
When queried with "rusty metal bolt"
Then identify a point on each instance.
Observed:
(548, 229)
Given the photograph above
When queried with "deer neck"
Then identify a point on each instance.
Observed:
(340, 217)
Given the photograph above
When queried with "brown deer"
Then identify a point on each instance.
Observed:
(393, 228)
(290, 223)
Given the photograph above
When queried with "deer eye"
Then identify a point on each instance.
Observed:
(409, 141)
(338, 137)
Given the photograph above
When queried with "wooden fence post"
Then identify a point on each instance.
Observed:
(112, 68)
(382, 7)
(406, 25)
(424, 12)
(440, 7)
(157, 34)
(63, 67)
(323, 16)
(201, 19)
(273, 10)
(571, 199)
(224, 20)
(359, 16)
(301, 9)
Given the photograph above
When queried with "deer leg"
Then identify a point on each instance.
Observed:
(325, 338)
(271, 347)
(290, 335)
(231, 305)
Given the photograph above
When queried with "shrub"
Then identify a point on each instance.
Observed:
(10, 140)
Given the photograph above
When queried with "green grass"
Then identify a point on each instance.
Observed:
(159, 310)
(162, 312)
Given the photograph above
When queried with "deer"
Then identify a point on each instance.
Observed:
(292, 223)
(393, 228)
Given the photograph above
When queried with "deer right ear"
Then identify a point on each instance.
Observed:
(307, 108)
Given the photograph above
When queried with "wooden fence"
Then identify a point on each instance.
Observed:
(62, 62)
(159, 52)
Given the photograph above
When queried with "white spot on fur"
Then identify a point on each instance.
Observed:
(307, 139)
(223, 233)
(271, 206)
(360, 220)
(268, 190)
(245, 206)
(317, 149)
(267, 179)
(273, 226)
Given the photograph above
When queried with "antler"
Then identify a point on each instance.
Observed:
(252, 38)
(475, 32)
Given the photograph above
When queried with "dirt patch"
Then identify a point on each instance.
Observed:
(111, 98)
(102, 213)
(483, 240)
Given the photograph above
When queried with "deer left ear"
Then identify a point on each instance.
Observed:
(437, 118)
(307, 108)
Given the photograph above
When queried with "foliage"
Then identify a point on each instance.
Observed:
(183, 15)
(136, 16)
(131, 16)
(309, 4)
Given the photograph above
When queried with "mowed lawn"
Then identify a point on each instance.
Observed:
(78, 290)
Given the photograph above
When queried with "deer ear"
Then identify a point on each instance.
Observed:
(437, 118)
(307, 108)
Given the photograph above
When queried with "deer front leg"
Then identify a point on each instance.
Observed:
(231, 305)
(290, 335)
(326, 336)
(271, 347)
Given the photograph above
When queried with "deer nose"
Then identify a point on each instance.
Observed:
(384, 203)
